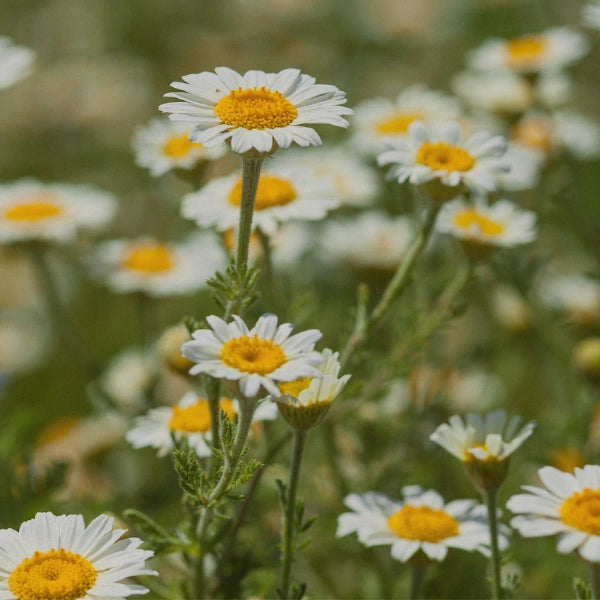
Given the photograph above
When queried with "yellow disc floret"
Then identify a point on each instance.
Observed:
(149, 257)
(293, 388)
(178, 146)
(255, 108)
(523, 51)
(440, 156)
(251, 354)
(271, 191)
(397, 123)
(53, 575)
(467, 218)
(33, 210)
(582, 511)
(423, 523)
(196, 417)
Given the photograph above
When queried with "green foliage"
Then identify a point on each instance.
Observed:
(582, 589)
(236, 288)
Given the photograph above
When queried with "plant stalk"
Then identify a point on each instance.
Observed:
(491, 500)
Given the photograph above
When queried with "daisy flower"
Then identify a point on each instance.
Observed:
(304, 402)
(567, 506)
(163, 145)
(256, 112)
(525, 166)
(550, 50)
(421, 521)
(31, 210)
(590, 15)
(162, 427)
(497, 224)
(15, 62)
(261, 357)
(438, 154)
(58, 558)
(378, 119)
(157, 268)
(283, 193)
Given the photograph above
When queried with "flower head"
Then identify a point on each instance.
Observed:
(422, 521)
(568, 505)
(590, 14)
(261, 357)
(438, 157)
(163, 145)
(255, 112)
(57, 558)
(15, 62)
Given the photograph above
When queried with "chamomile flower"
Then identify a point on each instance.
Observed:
(421, 521)
(283, 193)
(567, 506)
(438, 155)
(31, 210)
(378, 119)
(550, 50)
(56, 557)
(15, 62)
(261, 357)
(497, 224)
(590, 14)
(161, 427)
(157, 268)
(163, 145)
(256, 112)
(525, 166)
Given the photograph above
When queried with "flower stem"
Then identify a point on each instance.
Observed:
(418, 568)
(250, 176)
(491, 500)
(289, 521)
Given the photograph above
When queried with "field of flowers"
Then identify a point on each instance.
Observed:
(299, 299)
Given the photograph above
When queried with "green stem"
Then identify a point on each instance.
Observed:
(418, 566)
(491, 500)
(288, 534)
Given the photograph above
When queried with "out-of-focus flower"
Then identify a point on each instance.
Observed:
(525, 165)
(567, 458)
(510, 308)
(168, 347)
(550, 50)
(256, 112)
(586, 358)
(590, 14)
(283, 193)
(163, 145)
(162, 427)
(438, 157)
(304, 402)
(15, 62)
(31, 210)
(474, 389)
(378, 119)
(422, 521)
(58, 557)
(24, 340)
(158, 268)
(567, 506)
(372, 240)
(261, 357)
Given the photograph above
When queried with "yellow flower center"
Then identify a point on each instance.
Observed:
(468, 218)
(179, 146)
(423, 523)
(293, 388)
(535, 133)
(255, 108)
(196, 417)
(34, 209)
(251, 354)
(440, 156)
(52, 575)
(271, 191)
(57, 430)
(523, 50)
(582, 511)
(149, 257)
(397, 123)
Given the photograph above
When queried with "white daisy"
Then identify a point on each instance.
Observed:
(257, 111)
(31, 210)
(567, 506)
(15, 62)
(283, 193)
(163, 145)
(525, 166)
(438, 154)
(422, 521)
(550, 50)
(58, 558)
(162, 427)
(261, 357)
(158, 268)
(482, 438)
(378, 119)
(497, 224)
(590, 14)
(372, 240)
